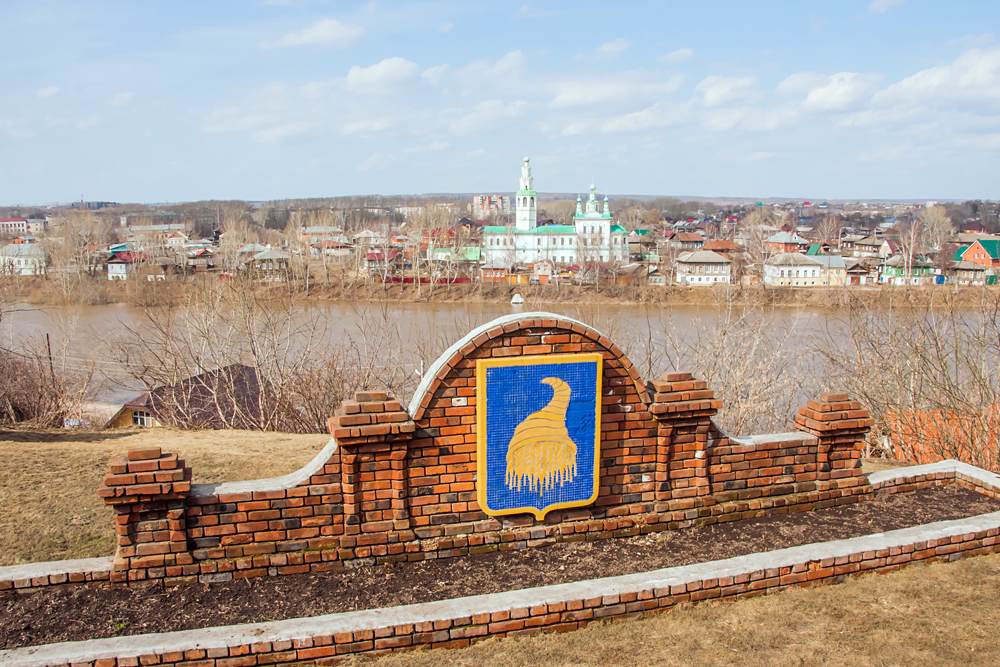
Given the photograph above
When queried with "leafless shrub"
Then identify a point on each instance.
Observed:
(748, 358)
(239, 355)
(34, 391)
(928, 373)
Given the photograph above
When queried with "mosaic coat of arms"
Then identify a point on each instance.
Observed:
(539, 432)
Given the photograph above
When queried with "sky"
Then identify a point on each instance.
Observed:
(183, 101)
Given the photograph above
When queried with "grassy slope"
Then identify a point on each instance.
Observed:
(49, 509)
(942, 614)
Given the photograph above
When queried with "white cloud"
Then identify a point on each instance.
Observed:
(802, 82)
(678, 56)
(377, 161)
(761, 155)
(575, 129)
(365, 127)
(274, 135)
(974, 78)
(89, 121)
(325, 33)
(507, 69)
(721, 90)
(841, 92)
(487, 115)
(433, 147)
(121, 99)
(445, 27)
(526, 12)
(614, 47)
(656, 116)
(382, 78)
(723, 120)
(624, 87)
(47, 92)
(975, 40)
(882, 6)
(434, 75)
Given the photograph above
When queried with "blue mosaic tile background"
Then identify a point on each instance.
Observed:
(513, 393)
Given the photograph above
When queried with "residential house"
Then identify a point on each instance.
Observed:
(542, 271)
(270, 264)
(984, 251)
(791, 269)
(201, 260)
(124, 263)
(316, 234)
(639, 273)
(724, 247)
(890, 247)
(904, 270)
(176, 240)
(964, 272)
(493, 272)
(23, 259)
(968, 238)
(832, 271)
(642, 246)
(867, 247)
(847, 243)
(862, 272)
(702, 268)
(784, 242)
(385, 264)
(229, 397)
(685, 241)
(369, 239)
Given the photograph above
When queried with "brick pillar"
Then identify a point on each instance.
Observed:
(683, 408)
(373, 433)
(841, 426)
(148, 490)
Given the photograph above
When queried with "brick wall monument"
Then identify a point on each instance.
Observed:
(398, 484)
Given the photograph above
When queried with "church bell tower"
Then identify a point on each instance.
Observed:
(526, 200)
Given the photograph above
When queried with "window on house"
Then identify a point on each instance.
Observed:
(142, 418)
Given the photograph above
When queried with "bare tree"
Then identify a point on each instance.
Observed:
(937, 225)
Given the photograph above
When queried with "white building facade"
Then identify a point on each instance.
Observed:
(593, 236)
(23, 259)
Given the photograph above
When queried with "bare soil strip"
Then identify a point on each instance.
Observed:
(78, 613)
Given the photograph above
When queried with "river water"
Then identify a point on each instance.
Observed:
(653, 337)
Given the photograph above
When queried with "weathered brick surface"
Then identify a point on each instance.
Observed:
(540, 615)
(403, 487)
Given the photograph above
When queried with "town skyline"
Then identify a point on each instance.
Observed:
(884, 100)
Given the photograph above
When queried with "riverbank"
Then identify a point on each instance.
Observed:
(143, 294)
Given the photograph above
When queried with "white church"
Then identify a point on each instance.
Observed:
(593, 236)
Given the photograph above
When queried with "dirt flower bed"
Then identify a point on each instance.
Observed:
(77, 613)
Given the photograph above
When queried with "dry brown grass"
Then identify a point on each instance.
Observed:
(49, 509)
(942, 614)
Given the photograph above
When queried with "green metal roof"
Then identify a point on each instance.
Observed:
(618, 229)
(814, 249)
(991, 246)
(543, 231)
(958, 254)
(526, 193)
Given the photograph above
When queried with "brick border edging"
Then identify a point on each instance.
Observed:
(462, 621)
